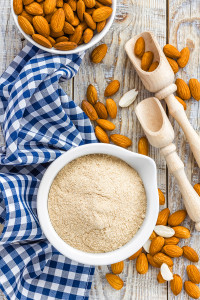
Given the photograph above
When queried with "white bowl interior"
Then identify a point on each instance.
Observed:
(97, 37)
(146, 168)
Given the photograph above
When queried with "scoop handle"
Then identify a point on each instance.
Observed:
(190, 197)
(177, 111)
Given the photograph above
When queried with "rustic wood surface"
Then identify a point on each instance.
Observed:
(174, 21)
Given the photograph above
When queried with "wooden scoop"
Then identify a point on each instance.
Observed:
(160, 134)
(160, 81)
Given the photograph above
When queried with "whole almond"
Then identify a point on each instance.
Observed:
(160, 279)
(183, 90)
(34, 9)
(89, 3)
(171, 51)
(101, 14)
(153, 66)
(38, 38)
(190, 254)
(197, 188)
(139, 48)
(90, 10)
(27, 16)
(115, 281)
(58, 20)
(89, 110)
(88, 19)
(121, 140)
(142, 264)
(68, 28)
(27, 2)
(72, 4)
(49, 6)
(163, 217)
(80, 8)
(136, 254)
(156, 245)
(193, 273)
(177, 218)
(181, 232)
(18, 6)
(173, 64)
(161, 197)
(41, 26)
(69, 14)
(112, 88)
(101, 110)
(152, 236)
(194, 85)
(56, 34)
(143, 146)
(182, 102)
(99, 53)
(117, 268)
(65, 46)
(76, 36)
(75, 21)
(101, 25)
(59, 3)
(151, 261)
(106, 2)
(51, 40)
(92, 95)
(171, 241)
(173, 250)
(192, 289)
(88, 35)
(105, 124)
(160, 258)
(176, 284)
(25, 25)
(62, 39)
(101, 135)
(98, 4)
(183, 59)
(147, 60)
(111, 108)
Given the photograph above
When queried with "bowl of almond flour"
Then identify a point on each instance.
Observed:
(98, 204)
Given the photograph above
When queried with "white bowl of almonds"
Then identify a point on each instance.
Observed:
(63, 27)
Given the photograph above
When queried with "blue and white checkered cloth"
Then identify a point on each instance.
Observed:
(39, 122)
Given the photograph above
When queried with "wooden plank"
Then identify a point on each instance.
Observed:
(184, 31)
(132, 18)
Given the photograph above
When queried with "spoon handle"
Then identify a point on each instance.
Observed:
(190, 197)
(177, 111)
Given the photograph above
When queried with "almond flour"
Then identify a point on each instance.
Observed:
(97, 203)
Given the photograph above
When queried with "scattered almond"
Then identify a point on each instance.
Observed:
(101, 110)
(193, 274)
(92, 95)
(151, 261)
(173, 64)
(181, 232)
(89, 110)
(136, 254)
(182, 102)
(171, 51)
(101, 135)
(176, 284)
(183, 59)
(121, 140)
(156, 245)
(128, 98)
(197, 188)
(172, 241)
(173, 250)
(111, 108)
(190, 254)
(147, 60)
(117, 268)
(166, 272)
(177, 218)
(115, 281)
(161, 197)
(143, 146)
(142, 264)
(192, 289)
(139, 47)
(163, 217)
(99, 53)
(105, 124)
(194, 85)
(112, 88)
(160, 258)
(183, 90)
(160, 279)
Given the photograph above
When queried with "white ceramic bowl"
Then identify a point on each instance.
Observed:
(146, 168)
(97, 37)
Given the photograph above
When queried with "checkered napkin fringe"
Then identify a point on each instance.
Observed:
(39, 122)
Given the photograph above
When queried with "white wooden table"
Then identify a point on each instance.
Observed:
(173, 21)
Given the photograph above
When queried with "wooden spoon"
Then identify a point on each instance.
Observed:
(160, 81)
(160, 134)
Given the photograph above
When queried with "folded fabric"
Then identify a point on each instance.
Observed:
(39, 122)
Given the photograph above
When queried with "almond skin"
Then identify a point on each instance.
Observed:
(80, 8)
(192, 289)
(112, 88)
(182, 102)
(160, 278)
(193, 274)
(161, 197)
(18, 6)
(139, 47)
(27, 16)
(41, 26)
(163, 217)
(160, 258)
(76, 36)
(171, 51)
(88, 35)
(153, 66)
(111, 108)
(72, 4)
(190, 254)
(143, 146)
(194, 85)
(136, 254)
(176, 284)
(58, 20)
(142, 264)
(173, 64)
(153, 235)
(184, 58)
(106, 2)
(51, 40)
(171, 241)
(117, 268)
(105, 124)
(177, 218)
(49, 6)
(147, 60)
(99, 53)
(89, 110)
(101, 14)
(183, 90)
(92, 95)
(101, 110)
(65, 46)
(121, 140)
(62, 39)
(156, 245)
(115, 281)
(89, 3)
(197, 188)
(101, 25)
(88, 19)
(25, 25)
(151, 261)
(38, 38)
(101, 135)
(27, 2)
(68, 28)
(173, 250)
(181, 232)
(69, 14)
(34, 9)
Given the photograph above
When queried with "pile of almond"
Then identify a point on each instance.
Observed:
(62, 24)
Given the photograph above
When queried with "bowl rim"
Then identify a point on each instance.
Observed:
(97, 37)
(96, 258)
